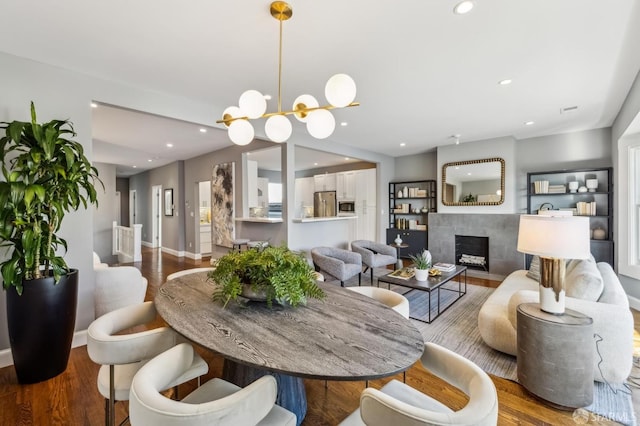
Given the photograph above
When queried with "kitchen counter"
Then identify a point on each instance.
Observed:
(322, 219)
(259, 219)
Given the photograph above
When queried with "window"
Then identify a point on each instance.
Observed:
(634, 204)
(629, 206)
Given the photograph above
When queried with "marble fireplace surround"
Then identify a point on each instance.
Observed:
(502, 230)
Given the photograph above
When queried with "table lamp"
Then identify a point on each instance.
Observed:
(554, 239)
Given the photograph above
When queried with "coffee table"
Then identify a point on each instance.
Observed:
(430, 285)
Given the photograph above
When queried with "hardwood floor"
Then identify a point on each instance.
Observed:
(72, 398)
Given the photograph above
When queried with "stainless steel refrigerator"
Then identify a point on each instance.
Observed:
(324, 204)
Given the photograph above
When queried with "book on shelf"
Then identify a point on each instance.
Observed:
(586, 208)
(403, 274)
(444, 267)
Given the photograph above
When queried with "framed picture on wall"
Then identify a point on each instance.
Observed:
(168, 202)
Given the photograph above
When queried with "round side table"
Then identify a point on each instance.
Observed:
(556, 356)
(399, 264)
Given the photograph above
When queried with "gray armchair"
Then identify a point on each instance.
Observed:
(374, 255)
(339, 263)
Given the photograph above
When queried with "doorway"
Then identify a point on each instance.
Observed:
(132, 207)
(156, 218)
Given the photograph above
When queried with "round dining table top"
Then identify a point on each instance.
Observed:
(346, 336)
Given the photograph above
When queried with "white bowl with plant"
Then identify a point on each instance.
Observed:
(421, 264)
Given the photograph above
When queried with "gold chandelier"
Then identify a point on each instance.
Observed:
(340, 91)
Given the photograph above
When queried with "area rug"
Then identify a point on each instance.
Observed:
(457, 330)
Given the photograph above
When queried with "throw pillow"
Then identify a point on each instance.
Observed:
(534, 269)
(583, 280)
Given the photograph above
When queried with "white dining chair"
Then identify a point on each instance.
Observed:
(394, 300)
(117, 287)
(216, 402)
(122, 355)
(399, 404)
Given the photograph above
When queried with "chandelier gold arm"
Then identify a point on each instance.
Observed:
(301, 111)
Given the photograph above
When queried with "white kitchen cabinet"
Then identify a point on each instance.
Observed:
(304, 188)
(366, 203)
(346, 185)
(325, 182)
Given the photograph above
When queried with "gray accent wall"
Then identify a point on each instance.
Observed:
(122, 185)
(416, 167)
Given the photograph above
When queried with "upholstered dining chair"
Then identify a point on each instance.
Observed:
(339, 263)
(122, 355)
(399, 404)
(217, 402)
(117, 287)
(189, 271)
(374, 255)
(394, 300)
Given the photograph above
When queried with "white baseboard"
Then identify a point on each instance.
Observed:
(634, 303)
(79, 339)
(173, 252)
(146, 244)
(194, 256)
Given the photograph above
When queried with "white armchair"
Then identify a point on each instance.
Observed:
(117, 287)
(399, 404)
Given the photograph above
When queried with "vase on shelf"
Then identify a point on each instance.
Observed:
(400, 193)
(405, 192)
(398, 240)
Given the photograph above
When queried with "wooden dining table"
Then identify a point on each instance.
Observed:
(345, 336)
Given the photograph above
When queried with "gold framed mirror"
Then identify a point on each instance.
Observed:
(473, 182)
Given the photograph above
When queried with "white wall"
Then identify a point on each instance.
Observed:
(104, 214)
(61, 94)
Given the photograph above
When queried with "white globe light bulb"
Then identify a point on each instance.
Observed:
(241, 132)
(308, 101)
(252, 103)
(278, 128)
(340, 90)
(320, 123)
(232, 111)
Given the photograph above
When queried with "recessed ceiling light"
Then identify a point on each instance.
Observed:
(529, 123)
(94, 105)
(469, 174)
(169, 145)
(203, 130)
(135, 167)
(150, 160)
(403, 144)
(344, 124)
(504, 82)
(267, 97)
(315, 164)
(463, 7)
(347, 158)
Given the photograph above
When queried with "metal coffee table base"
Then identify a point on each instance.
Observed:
(432, 284)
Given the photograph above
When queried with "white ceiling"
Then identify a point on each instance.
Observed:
(423, 73)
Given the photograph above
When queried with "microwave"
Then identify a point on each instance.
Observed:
(346, 206)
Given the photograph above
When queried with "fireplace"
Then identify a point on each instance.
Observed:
(472, 252)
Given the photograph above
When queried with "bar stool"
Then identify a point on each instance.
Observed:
(257, 244)
(238, 243)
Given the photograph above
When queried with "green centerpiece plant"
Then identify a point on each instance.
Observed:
(271, 273)
(421, 264)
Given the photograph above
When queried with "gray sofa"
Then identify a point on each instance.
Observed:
(592, 289)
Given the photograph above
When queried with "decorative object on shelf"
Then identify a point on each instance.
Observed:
(424, 210)
(271, 273)
(599, 233)
(340, 91)
(592, 185)
(421, 264)
(573, 186)
(582, 188)
(398, 240)
(541, 186)
(433, 272)
(554, 239)
(400, 193)
(405, 192)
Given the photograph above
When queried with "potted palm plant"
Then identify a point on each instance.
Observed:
(265, 274)
(46, 175)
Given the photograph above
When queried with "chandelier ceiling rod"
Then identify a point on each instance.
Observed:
(340, 91)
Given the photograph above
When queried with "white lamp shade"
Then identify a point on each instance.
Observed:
(278, 128)
(560, 237)
(241, 132)
(308, 101)
(320, 123)
(252, 104)
(340, 90)
(233, 111)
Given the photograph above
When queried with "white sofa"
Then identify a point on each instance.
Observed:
(608, 307)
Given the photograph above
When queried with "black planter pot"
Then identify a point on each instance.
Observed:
(41, 324)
